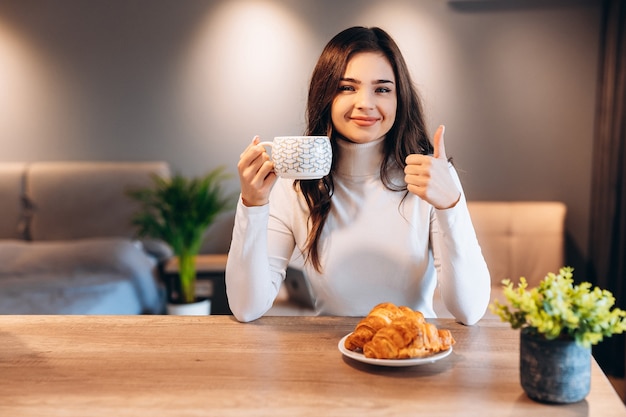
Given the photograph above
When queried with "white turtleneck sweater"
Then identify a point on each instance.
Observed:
(375, 247)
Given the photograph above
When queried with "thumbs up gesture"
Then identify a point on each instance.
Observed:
(429, 178)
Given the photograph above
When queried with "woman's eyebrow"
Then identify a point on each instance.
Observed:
(355, 81)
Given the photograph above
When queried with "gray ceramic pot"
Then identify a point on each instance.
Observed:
(554, 371)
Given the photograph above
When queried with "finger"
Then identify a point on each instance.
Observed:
(417, 159)
(252, 162)
(254, 158)
(252, 152)
(417, 180)
(418, 190)
(255, 141)
(440, 148)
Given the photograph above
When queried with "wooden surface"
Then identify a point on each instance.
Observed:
(276, 366)
(204, 263)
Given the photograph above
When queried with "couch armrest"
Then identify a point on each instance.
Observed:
(11, 194)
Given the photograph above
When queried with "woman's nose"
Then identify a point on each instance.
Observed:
(364, 100)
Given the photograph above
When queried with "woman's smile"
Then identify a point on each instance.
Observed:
(363, 121)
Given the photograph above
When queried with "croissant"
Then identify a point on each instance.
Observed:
(392, 332)
(429, 341)
(380, 316)
(408, 338)
(391, 341)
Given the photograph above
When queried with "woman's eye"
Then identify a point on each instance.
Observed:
(383, 90)
(346, 88)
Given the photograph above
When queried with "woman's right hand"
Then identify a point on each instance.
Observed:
(256, 174)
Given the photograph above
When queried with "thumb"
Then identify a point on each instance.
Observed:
(440, 148)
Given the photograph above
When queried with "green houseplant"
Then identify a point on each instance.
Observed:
(559, 322)
(177, 211)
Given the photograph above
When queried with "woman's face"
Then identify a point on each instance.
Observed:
(364, 108)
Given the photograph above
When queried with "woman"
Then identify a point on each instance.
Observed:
(390, 221)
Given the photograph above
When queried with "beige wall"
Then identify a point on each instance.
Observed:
(192, 81)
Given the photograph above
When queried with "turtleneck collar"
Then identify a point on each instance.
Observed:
(359, 159)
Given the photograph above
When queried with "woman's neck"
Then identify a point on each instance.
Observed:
(359, 159)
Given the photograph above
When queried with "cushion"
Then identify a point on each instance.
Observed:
(96, 293)
(108, 275)
(521, 238)
(75, 200)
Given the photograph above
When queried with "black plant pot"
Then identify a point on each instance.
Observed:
(554, 371)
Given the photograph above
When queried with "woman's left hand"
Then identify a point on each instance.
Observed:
(429, 178)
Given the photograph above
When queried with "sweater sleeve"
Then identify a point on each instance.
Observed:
(461, 268)
(253, 278)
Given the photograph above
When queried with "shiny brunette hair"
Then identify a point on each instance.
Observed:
(407, 135)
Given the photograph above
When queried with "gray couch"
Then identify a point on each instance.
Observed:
(67, 245)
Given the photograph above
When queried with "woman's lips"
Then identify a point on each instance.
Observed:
(364, 121)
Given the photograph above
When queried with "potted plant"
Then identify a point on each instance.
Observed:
(177, 211)
(559, 323)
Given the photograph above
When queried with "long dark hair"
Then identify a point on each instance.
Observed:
(407, 135)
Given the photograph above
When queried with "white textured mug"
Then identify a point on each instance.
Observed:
(301, 157)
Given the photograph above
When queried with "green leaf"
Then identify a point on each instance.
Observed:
(178, 210)
(557, 308)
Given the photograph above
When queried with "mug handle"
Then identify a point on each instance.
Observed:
(265, 144)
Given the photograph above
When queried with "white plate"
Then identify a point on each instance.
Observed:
(390, 362)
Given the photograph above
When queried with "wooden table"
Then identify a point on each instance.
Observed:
(276, 366)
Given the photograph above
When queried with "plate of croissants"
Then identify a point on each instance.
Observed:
(393, 335)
